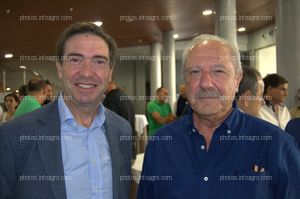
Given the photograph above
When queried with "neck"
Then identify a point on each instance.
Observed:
(84, 115)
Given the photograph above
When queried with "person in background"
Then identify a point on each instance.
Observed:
(34, 99)
(182, 101)
(22, 91)
(118, 102)
(11, 102)
(217, 151)
(49, 92)
(295, 111)
(159, 112)
(293, 128)
(249, 96)
(275, 93)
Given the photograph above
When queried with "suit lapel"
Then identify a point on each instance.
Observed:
(50, 151)
(112, 133)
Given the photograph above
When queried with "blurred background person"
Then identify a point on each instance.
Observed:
(295, 111)
(11, 102)
(159, 112)
(182, 101)
(34, 99)
(22, 91)
(118, 102)
(275, 93)
(49, 92)
(249, 96)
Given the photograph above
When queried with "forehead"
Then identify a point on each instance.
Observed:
(85, 42)
(10, 98)
(163, 90)
(209, 51)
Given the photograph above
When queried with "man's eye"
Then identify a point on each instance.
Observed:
(100, 61)
(194, 72)
(74, 59)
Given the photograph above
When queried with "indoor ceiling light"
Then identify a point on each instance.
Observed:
(7, 89)
(175, 36)
(35, 73)
(8, 55)
(241, 29)
(207, 12)
(98, 23)
(23, 67)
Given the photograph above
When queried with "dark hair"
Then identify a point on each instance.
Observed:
(249, 81)
(47, 82)
(273, 80)
(35, 85)
(14, 95)
(23, 90)
(81, 28)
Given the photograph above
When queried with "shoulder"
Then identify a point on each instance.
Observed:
(258, 127)
(293, 124)
(116, 120)
(26, 125)
(44, 113)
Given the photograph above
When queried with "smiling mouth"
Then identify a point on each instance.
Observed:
(86, 86)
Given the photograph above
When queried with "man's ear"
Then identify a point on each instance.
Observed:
(247, 97)
(59, 69)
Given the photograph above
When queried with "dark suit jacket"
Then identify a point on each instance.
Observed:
(24, 157)
(118, 102)
(293, 128)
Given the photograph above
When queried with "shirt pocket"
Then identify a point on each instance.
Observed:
(248, 185)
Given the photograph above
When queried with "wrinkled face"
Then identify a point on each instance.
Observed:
(279, 93)
(85, 72)
(10, 103)
(255, 102)
(210, 79)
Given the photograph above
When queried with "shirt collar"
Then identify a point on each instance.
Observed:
(229, 125)
(66, 115)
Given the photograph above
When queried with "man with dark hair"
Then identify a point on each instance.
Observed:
(159, 112)
(118, 102)
(22, 91)
(182, 101)
(216, 151)
(73, 147)
(49, 92)
(34, 99)
(249, 95)
(275, 93)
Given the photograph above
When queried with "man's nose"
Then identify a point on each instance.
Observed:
(86, 69)
(206, 80)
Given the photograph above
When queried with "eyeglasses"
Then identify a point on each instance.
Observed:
(98, 62)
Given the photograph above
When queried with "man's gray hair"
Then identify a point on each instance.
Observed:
(249, 82)
(234, 52)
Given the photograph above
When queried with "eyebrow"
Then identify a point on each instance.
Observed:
(219, 66)
(96, 56)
